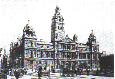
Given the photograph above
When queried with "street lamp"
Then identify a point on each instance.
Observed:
(91, 51)
(39, 68)
(17, 63)
(20, 61)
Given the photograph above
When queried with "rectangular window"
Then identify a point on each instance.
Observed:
(73, 47)
(31, 53)
(61, 46)
(68, 47)
(84, 56)
(37, 55)
(52, 55)
(80, 56)
(88, 56)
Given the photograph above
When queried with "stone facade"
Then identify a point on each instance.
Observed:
(62, 53)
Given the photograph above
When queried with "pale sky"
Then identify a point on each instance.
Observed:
(80, 17)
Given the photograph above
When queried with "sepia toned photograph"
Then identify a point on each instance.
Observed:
(57, 39)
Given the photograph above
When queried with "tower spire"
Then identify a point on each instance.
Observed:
(28, 21)
(57, 2)
(92, 33)
(57, 10)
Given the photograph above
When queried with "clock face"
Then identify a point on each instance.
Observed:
(60, 35)
(57, 35)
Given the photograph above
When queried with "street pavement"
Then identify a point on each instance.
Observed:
(77, 77)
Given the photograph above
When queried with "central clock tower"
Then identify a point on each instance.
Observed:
(57, 34)
(57, 29)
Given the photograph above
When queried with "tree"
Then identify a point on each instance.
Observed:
(107, 63)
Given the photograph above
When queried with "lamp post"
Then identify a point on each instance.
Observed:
(20, 61)
(91, 51)
(39, 68)
(17, 63)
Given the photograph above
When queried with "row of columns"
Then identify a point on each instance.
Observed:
(86, 56)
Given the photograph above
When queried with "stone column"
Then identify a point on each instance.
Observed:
(86, 56)
(92, 55)
(78, 55)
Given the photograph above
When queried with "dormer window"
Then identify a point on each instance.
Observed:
(60, 19)
(31, 44)
(58, 27)
(56, 35)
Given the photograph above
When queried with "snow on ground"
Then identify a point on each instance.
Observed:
(78, 77)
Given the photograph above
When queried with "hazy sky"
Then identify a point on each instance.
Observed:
(80, 17)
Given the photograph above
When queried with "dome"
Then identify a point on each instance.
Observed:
(28, 29)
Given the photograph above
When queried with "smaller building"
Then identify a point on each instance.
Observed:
(3, 59)
(46, 54)
(23, 53)
(16, 54)
(1, 56)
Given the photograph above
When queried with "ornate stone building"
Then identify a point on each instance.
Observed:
(62, 53)
(29, 40)
(64, 47)
(23, 53)
(68, 52)
(88, 53)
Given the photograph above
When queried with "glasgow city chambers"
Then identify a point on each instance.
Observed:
(61, 52)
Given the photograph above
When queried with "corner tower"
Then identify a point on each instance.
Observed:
(29, 45)
(93, 51)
